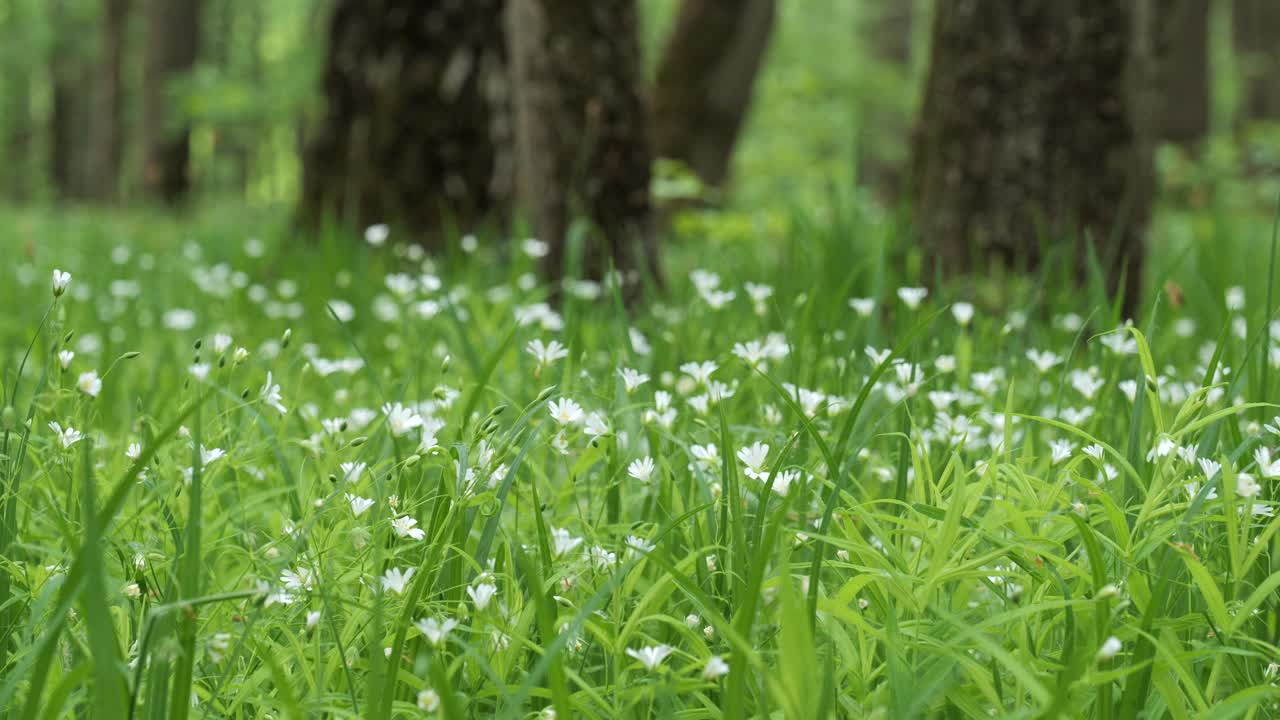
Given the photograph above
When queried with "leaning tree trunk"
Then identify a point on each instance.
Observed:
(173, 35)
(416, 129)
(1031, 128)
(106, 136)
(704, 82)
(1257, 40)
(582, 133)
(1182, 56)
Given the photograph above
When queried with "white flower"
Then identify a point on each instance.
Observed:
(1267, 467)
(200, 371)
(565, 411)
(401, 419)
(1193, 489)
(1110, 648)
(376, 235)
(358, 504)
(912, 296)
(1094, 451)
(396, 580)
(428, 700)
(1061, 449)
(66, 436)
(753, 457)
(482, 594)
(638, 342)
(351, 471)
(1235, 298)
(89, 383)
(641, 469)
(1209, 467)
(962, 312)
(715, 667)
(313, 619)
(535, 248)
(863, 306)
(211, 455)
(632, 379)
(548, 353)
(65, 357)
(708, 455)
(271, 395)
(595, 425)
(435, 630)
(179, 319)
(221, 342)
(60, 282)
(1043, 361)
(700, 372)
(1246, 486)
(133, 451)
(1162, 448)
(342, 310)
(406, 526)
(651, 656)
(562, 542)
(299, 579)
(639, 544)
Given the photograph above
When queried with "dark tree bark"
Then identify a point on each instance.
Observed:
(1256, 26)
(1182, 53)
(21, 174)
(69, 109)
(1032, 128)
(107, 137)
(416, 127)
(704, 83)
(583, 147)
(885, 130)
(173, 38)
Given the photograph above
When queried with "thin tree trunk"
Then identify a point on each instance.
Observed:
(21, 176)
(1031, 129)
(885, 131)
(704, 83)
(1256, 25)
(68, 110)
(107, 137)
(582, 133)
(173, 36)
(1183, 62)
(416, 128)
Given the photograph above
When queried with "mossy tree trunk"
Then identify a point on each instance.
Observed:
(704, 82)
(416, 127)
(1032, 133)
(583, 148)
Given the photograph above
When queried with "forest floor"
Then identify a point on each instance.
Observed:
(250, 477)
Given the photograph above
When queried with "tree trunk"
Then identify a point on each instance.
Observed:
(1256, 26)
(704, 82)
(173, 35)
(882, 147)
(21, 174)
(107, 137)
(1032, 128)
(68, 111)
(582, 133)
(1183, 62)
(416, 129)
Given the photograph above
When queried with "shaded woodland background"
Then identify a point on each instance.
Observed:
(1002, 131)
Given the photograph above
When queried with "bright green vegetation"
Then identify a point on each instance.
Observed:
(1014, 514)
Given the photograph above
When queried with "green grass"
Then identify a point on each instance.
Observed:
(944, 547)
